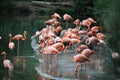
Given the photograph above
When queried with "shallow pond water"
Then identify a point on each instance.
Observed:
(62, 67)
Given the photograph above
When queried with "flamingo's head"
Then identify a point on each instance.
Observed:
(10, 35)
(25, 32)
(3, 53)
(0, 37)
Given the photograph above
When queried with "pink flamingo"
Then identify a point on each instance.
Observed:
(91, 20)
(80, 58)
(67, 17)
(87, 52)
(19, 37)
(81, 47)
(11, 44)
(92, 40)
(52, 22)
(87, 22)
(59, 46)
(77, 22)
(6, 62)
(101, 38)
(56, 15)
(57, 30)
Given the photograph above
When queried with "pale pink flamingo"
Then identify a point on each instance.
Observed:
(87, 52)
(19, 37)
(92, 40)
(11, 44)
(67, 17)
(56, 15)
(52, 22)
(95, 29)
(80, 58)
(116, 58)
(101, 38)
(59, 46)
(82, 32)
(87, 22)
(58, 30)
(77, 22)
(91, 20)
(6, 62)
(49, 51)
(81, 47)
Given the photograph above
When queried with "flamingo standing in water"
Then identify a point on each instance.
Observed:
(11, 44)
(6, 62)
(81, 58)
(19, 37)
(67, 17)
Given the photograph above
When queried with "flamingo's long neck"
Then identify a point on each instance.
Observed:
(10, 40)
(24, 36)
(4, 56)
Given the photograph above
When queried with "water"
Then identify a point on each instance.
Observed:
(100, 66)
(32, 65)
(16, 25)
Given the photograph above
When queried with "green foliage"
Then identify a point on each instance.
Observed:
(83, 8)
(62, 10)
(41, 12)
(22, 9)
(107, 14)
(7, 6)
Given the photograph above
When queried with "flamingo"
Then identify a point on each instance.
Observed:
(116, 58)
(59, 46)
(0, 37)
(101, 38)
(77, 22)
(19, 37)
(87, 22)
(6, 62)
(58, 30)
(11, 44)
(95, 29)
(50, 21)
(87, 52)
(67, 17)
(80, 58)
(81, 47)
(92, 40)
(91, 20)
(56, 15)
